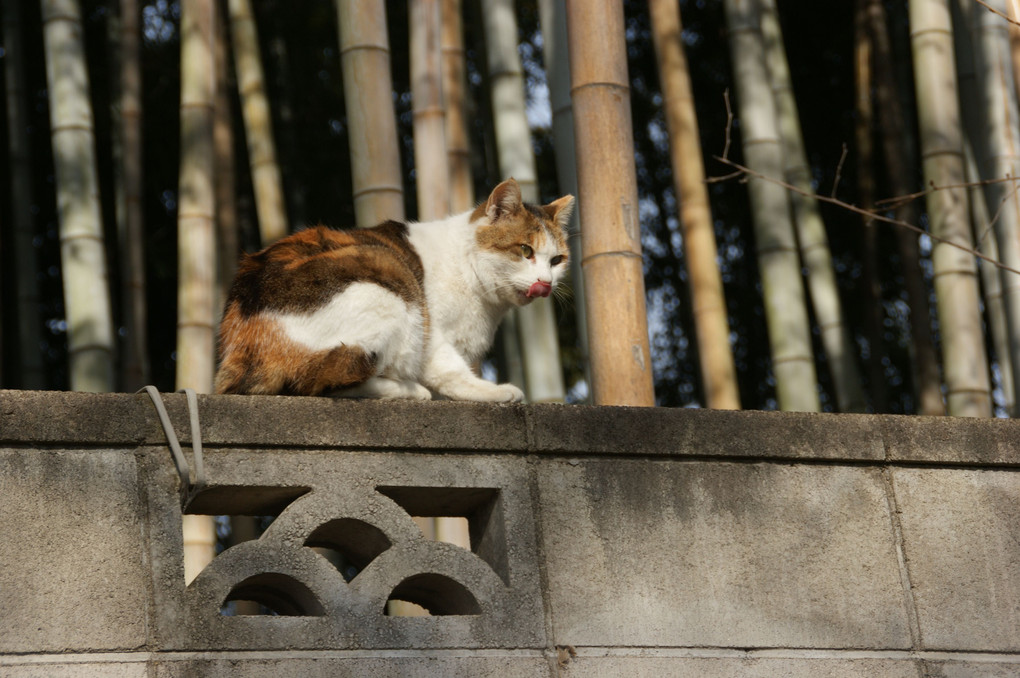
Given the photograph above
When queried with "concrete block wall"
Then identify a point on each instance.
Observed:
(604, 541)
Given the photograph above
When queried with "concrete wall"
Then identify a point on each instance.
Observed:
(605, 541)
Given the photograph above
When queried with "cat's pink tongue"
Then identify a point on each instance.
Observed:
(539, 289)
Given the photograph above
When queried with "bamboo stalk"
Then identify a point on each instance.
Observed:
(196, 212)
(991, 281)
(1013, 11)
(432, 174)
(368, 97)
(227, 240)
(30, 373)
(543, 374)
(267, 182)
(864, 130)
(778, 258)
(608, 201)
(196, 240)
(895, 138)
(718, 372)
(811, 237)
(557, 64)
(993, 129)
(458, 146)
(82, 250)
(963, 354)
(132, 244)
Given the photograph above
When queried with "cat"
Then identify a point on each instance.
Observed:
(401, 310)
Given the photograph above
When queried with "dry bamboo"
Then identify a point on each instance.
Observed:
(991, 281)
(227, 240)
(553, 16)
(812, 240)
(896, 150)
(196, 215)
(196, 250)
(963, 353)
(608, 201)
(82, 253)
(1013, 12)
(993, 129)
(368, 97)
(778, 259)
(864, 130)
(458, 146)
(135, 368)
(198, 539)
(432, 174)
(536, 324)
(718, 372)
(267, 183)
(26, 307)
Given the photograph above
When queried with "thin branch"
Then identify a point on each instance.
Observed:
(896, 201)
(729, 122)
(839, 172)
(748, 172)
(997, 12)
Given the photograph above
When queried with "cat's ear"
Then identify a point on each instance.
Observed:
(560, 210)
(504, 199)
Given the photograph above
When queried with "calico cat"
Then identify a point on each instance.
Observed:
(401, 310)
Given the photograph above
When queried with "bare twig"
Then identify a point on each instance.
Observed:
(729, 122)
(748, 172)
(839, 171)
(896, 201)
(997, 12)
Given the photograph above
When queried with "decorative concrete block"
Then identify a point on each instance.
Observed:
(961, 538)
(72, 568)
(357, 506)
(654, 554)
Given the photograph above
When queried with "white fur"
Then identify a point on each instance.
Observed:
(468, 292)
(368, 316)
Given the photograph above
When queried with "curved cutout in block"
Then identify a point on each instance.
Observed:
(276, 594)
(437, 593)
(349, 544)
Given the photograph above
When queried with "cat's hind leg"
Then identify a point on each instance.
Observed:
(386, 389)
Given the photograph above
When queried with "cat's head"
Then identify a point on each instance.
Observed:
(522, 248)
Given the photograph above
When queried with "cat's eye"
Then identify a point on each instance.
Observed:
(527, 252)
(557, 260)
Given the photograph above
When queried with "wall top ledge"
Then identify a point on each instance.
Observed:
(29, 418)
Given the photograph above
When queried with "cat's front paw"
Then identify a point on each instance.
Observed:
(509, 393)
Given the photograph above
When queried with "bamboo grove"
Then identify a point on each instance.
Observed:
(791, 205)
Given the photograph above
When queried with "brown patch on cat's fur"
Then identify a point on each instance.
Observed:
(515, 223)
(261, 360)
(300, 273)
